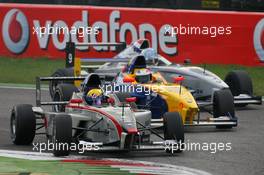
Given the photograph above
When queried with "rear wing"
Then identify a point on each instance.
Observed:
(39, 101)
(39, 80)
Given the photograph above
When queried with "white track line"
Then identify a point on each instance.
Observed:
(28, 155)
(21, 87)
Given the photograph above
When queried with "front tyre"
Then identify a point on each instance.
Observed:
(239, 82)
(223, 105)
(22, 124)
(173, 129)
(62, 135)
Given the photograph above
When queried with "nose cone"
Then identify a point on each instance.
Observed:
(179, 94)
(187, 98)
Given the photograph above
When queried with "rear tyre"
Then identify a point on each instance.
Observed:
(62, 135)
(239, 82)
(63, 92)
(223, 105)
(22, 124)
(66, 72)
(173, 130)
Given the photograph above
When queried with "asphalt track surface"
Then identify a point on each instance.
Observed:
(245, 157)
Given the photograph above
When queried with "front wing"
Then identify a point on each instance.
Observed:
(220, 121)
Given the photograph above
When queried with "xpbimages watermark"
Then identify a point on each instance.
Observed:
(212, 147)
(188, 29)
(80, 147)
(137, 88)
(58, 30)
(172, 146)
(130, 88)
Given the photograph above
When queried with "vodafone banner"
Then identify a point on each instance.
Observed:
(211, 37)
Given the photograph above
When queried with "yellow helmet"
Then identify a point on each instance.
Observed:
(95, 93)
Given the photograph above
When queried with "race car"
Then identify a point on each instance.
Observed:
(200, 81)
(110, 124)
(160, 97)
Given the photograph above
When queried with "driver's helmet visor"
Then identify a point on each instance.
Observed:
(143, 78)
(143, 75)
(97, 100)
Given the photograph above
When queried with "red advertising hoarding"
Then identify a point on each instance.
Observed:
(211, 37)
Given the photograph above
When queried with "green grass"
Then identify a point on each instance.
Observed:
(25, 70)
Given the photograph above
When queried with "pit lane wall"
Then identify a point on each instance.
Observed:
(211, 37)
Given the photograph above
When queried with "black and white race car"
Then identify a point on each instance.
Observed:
(111, 125)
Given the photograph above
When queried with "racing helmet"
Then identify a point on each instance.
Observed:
(150, 55)
(143, 75)
(95, 96)
(95, 93)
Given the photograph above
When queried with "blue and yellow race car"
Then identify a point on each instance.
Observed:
(156, 94)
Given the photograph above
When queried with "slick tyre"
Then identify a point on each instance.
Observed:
(63, 92)
(239, 82)
(66, 72)
(62, 135)
(173, 129)
(22, 124)
(223, 105)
